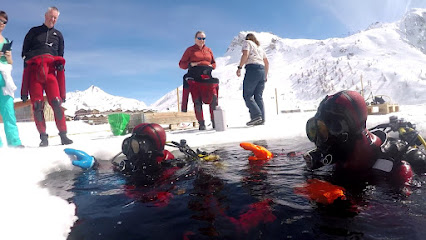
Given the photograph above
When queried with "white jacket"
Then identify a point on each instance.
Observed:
(10, 87)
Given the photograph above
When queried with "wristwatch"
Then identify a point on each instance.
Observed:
(239, 67)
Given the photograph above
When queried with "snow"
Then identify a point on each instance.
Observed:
(303, 71)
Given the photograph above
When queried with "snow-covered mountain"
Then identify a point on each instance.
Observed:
(95, 98)
(385, 59)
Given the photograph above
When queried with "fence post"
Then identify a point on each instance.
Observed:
(276, 99)
(178, 103)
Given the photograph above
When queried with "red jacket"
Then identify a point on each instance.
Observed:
(195, 54)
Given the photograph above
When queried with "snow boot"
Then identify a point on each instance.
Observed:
(202, 125)
(44, 142)
(255, 121)
(64, 139)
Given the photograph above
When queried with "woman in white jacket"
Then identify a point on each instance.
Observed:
(8, 88)
(257, 67)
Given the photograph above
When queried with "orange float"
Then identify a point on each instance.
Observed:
(321, 191)
(260, 153)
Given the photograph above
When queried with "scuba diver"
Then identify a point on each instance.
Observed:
(145, 159)
(339, 132)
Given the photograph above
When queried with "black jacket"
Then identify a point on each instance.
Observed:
(42, 40)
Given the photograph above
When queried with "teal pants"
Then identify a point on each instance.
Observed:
(9, 119)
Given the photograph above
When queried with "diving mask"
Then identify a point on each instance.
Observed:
(320, 131)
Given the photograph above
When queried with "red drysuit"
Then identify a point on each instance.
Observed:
(204, 89)
(45, 73)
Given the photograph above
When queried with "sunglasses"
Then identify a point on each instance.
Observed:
(5, 22)
(200, 38)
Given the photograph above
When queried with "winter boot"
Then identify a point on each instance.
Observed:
(255, 121)
(202, 125)
(44, 142)
(64, 139)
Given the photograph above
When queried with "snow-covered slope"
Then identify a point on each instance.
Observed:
(94, 98)
(386, 59)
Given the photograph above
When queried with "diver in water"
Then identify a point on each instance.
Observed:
(339, 132)
(145, 157)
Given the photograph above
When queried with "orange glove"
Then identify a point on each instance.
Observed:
(260, 153)
(321, 191)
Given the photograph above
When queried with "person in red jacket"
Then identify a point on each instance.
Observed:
(199, 61)
(43, 51)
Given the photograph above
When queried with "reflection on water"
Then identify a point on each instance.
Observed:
(236, 199)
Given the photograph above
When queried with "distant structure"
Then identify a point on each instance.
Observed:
(95, 117)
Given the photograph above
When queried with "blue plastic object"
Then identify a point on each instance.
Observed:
(83, 159)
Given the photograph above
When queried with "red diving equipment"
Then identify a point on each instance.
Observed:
(147, 143)
(204, 89)
(260, 153)
(321, 191)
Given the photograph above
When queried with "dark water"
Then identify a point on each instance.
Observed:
(236, 199)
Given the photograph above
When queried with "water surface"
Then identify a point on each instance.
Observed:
(236, 199)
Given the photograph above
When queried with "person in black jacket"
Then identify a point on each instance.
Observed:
(43, 52)
(44, 39)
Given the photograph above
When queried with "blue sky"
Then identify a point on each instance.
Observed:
(131, 48)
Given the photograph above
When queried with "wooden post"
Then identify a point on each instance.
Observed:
(276, 99)
(362, 87)
(178, 103)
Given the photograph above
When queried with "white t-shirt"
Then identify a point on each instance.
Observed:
(255, 53)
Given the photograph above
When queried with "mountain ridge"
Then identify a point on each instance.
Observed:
(95, 98)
